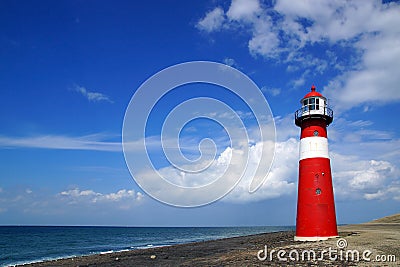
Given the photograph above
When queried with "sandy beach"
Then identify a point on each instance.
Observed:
(370, 244)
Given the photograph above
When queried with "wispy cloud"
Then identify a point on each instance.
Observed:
(272, 91)
(96, 142)
(92, 96)
(231, 62)
(86, 142)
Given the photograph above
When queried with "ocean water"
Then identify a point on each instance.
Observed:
(27, 244)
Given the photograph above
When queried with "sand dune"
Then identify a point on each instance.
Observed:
(388, 219)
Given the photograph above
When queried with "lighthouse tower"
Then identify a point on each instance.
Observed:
(316, 218)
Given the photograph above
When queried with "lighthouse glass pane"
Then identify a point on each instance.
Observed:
(312, 103)
(305, 105)
(317, 103)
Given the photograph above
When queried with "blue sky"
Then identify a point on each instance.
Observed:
(70, 68)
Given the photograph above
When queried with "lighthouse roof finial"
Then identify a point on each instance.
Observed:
(313, 93)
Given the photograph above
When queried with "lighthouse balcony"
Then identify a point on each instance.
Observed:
(305, 114)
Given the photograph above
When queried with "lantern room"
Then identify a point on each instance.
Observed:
(314, 105)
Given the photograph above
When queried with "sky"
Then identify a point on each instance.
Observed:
(68, 71)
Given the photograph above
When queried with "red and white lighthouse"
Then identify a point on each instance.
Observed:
(316, 218)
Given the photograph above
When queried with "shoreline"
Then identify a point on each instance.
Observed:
(187, 254)
(68, 257)
(379, 238)
(114, 240)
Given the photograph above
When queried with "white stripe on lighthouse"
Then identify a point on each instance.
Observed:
(313, 147)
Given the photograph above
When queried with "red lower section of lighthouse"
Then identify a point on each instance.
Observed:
(316, 218)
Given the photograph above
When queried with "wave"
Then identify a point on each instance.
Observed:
(39, 260)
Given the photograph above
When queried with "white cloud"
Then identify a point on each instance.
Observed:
(68, 202)
(355, 178)
(285, 128)
(216, 169)
(87, 142)
(75, 193)
(212, 21)
(271, 91)
(275, 186)
(373, 176)
(357, 173)
(239, 10)
(289, 31)
(358, 136)
(299, 82)
(376, 82)
(281, 179)
(231, 62)
(265, 44)
(387, 193)
(77, 196)
(92, 96)
(229, 115)
(243, 10)
(94, 142)
(333, 20)
(364, 160)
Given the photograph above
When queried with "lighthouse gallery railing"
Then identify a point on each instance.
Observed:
(303, 114)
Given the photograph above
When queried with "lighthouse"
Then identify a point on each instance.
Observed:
(316, 217)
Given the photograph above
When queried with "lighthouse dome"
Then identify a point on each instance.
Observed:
(313, 93)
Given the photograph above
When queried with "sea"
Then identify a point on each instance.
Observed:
(29, 244)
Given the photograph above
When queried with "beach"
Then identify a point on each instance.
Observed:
(365, 245)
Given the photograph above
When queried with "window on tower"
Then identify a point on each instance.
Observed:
(311, 105)
(318, 191)
(305, 105)
(314, 103)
